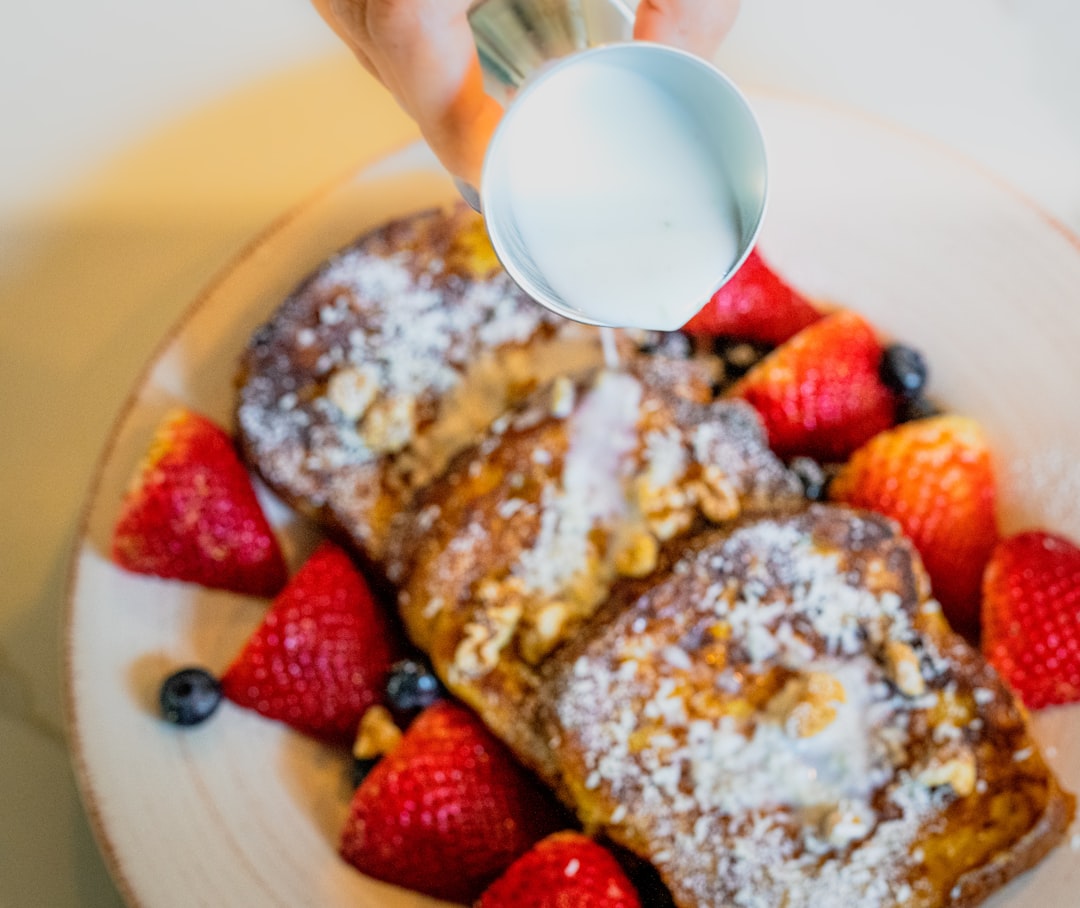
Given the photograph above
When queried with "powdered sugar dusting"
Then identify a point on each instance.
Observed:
(343, 387)
(755, 807)
(418, 342)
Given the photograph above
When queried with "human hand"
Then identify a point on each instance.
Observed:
(423, 52)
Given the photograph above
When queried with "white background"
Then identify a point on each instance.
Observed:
(143, 144)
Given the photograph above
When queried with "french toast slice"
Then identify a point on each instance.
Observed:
(514, 548)
(786, 719)
(394, 354)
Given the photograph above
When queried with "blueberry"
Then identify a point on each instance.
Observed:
(813, 476)
(411, 687)
(189, 696)
(903, 370)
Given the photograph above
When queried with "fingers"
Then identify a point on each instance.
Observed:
(430, 49)
(697, 26)
(423, 52)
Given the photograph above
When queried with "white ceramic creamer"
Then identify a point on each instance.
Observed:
(617, 199)
(624, 185)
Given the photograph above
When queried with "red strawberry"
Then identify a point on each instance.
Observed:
(191, 513)
(321, 655)
(935, 477)
(755, 305)
(447, 810)
(1031, 617)
(819, 394)
(565, 870)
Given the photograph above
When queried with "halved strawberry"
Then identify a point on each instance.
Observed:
(1031, 616)
(820, 393)
(935, 477)
(565, 869)
(191, 513)
(755, 305)
(447, 810)
(322, 653)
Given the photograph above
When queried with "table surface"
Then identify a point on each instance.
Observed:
(144, 145)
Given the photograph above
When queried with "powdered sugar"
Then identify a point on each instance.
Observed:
(346, 384)
(790, 818)
(603, 433)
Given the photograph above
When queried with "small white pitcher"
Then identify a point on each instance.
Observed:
(626, 181)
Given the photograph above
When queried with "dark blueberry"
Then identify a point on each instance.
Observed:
(813, 476)
(411, 687)
(917, 407)
(189, 696)
(903, 370)
(360, 768)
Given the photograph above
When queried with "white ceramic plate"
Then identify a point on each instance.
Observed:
(240, 811)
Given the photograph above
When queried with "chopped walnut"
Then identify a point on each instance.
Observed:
(668, 510)
(953, 766)
(637, 554)
(805, 705)
(390, 424)
(352, 390)
(716, 496)
(545, 632)
(508, 589)
(590, 585)
(483, 641)
(562, 397)
(377, 734)
(902, 667)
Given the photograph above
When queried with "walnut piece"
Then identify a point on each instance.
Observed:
(902, 668)
(483, 641)
(562, 397)
(390, 424)
(716, 496)
(805, 706)
(378, 734)
(352, 390)
(637, 554)
(545, 632)
(953, 766)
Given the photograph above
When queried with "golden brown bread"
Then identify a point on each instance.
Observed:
(393, 355)
(756, 696)
(785, 718)
(513, 549)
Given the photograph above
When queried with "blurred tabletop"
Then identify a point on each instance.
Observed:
(144, 145)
